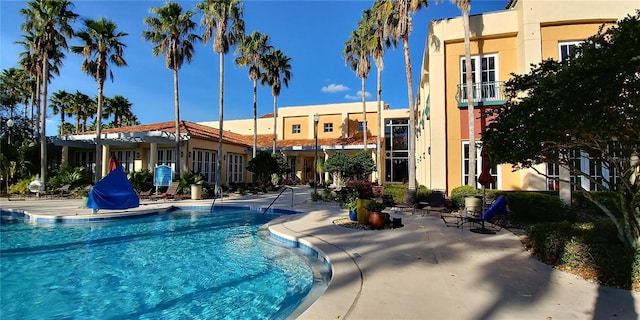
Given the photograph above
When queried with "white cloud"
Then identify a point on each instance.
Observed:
(333, 88)
(358, 95)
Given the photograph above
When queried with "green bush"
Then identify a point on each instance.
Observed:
(396, 190)
(580, 202)
(590, 248)
(22, 187)
(535, 207)
(458, 194)
(423, 194)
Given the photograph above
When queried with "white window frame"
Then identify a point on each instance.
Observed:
(360, 126)
(295, 129)
(203, 162)
(235, 168)
(86, 159)
(328, 127)
(166, 158)
(497, 176)
(553, 177)
(126, 159)
(566, 44)
(488, 92)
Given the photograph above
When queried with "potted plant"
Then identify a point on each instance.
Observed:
(364, 191)
(377, 218)
(351, 204)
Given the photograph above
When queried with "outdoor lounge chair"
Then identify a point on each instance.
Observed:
(437, 203)
(146, 193)
(62, 191)
(169, 194)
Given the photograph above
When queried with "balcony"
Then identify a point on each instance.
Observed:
(484, 94)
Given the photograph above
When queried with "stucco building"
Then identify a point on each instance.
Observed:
(503, 42)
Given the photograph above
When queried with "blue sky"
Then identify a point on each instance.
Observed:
(312, 33)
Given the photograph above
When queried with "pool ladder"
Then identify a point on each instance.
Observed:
(217, 192)
(279, 194)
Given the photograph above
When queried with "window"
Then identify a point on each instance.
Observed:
(166, 158)
(86, 159)
(478, 164)
(360, 126)
(125, 159)
(235, 168)
(295, 128)
(553, 177)
(328, 127)
(204, 162)
(485, 82)
(567, 49)
(396, 141)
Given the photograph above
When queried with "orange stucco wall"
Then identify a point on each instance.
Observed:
(552, 35)
(336, 120)
(289, 122)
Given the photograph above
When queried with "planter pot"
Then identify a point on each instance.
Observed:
(196, 191)
(377, 220)
(353, 215)
(363, 213)
(473, 204)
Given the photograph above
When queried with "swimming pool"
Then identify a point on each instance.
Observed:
(187, 264)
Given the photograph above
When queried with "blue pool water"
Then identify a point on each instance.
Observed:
(181, 265)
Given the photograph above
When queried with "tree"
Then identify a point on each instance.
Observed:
(465, 7)
(225, 17)
(338, 164)
(49, 22)
(356, 54)
(588, 104)
(252, 49)
(170, 32)
(263, 166)
(399, 26)
(277, 70)
(361, 165)
(102, 45)
(61, 104)
(83, 107)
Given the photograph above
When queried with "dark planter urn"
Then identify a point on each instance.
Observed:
(377, 220)
(353, 215)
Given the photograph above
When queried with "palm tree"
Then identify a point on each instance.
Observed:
(121, 108)
(101, 46)
(81, 106)
(50, 24)
(379, 42)
(11, 84)
(356, 54)
(170, 31)
(61, 103)
(399, 22)
(225, 17)
(465, 7)
(277, 70)
(252, 48)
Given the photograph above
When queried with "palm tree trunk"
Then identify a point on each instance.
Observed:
(470, 111)
(255, 117)
(43, 121)
(412, 120)
(275, 123)
(379, 140)
(220, 130)
(176, 103)
(99, 131)
(364, 116)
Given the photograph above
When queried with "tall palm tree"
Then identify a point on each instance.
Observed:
(170, 32)
(356, 54)
(50, 23)
(11, 84)
(61, 104)
(465, 7)
(225, 17)
(29, 63)
(399, 25)
(251, 49)
(380, 41)
(277, 70)
(102, 45)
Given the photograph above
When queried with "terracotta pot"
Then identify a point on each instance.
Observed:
(377, 220)
(363, 213)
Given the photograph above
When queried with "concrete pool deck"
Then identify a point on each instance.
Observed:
(423, 270)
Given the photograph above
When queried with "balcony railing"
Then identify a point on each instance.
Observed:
(484, 94)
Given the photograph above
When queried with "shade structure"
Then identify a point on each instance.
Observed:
(485, 178)
(113, 163)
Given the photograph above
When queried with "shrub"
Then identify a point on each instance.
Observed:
(315, 196)
(423, 194)
(396, 190)
(458, 194)
(590, 249)
(535, 207)
(580, 202)
(22, 187)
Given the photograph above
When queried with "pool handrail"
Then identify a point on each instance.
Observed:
(278, 196)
